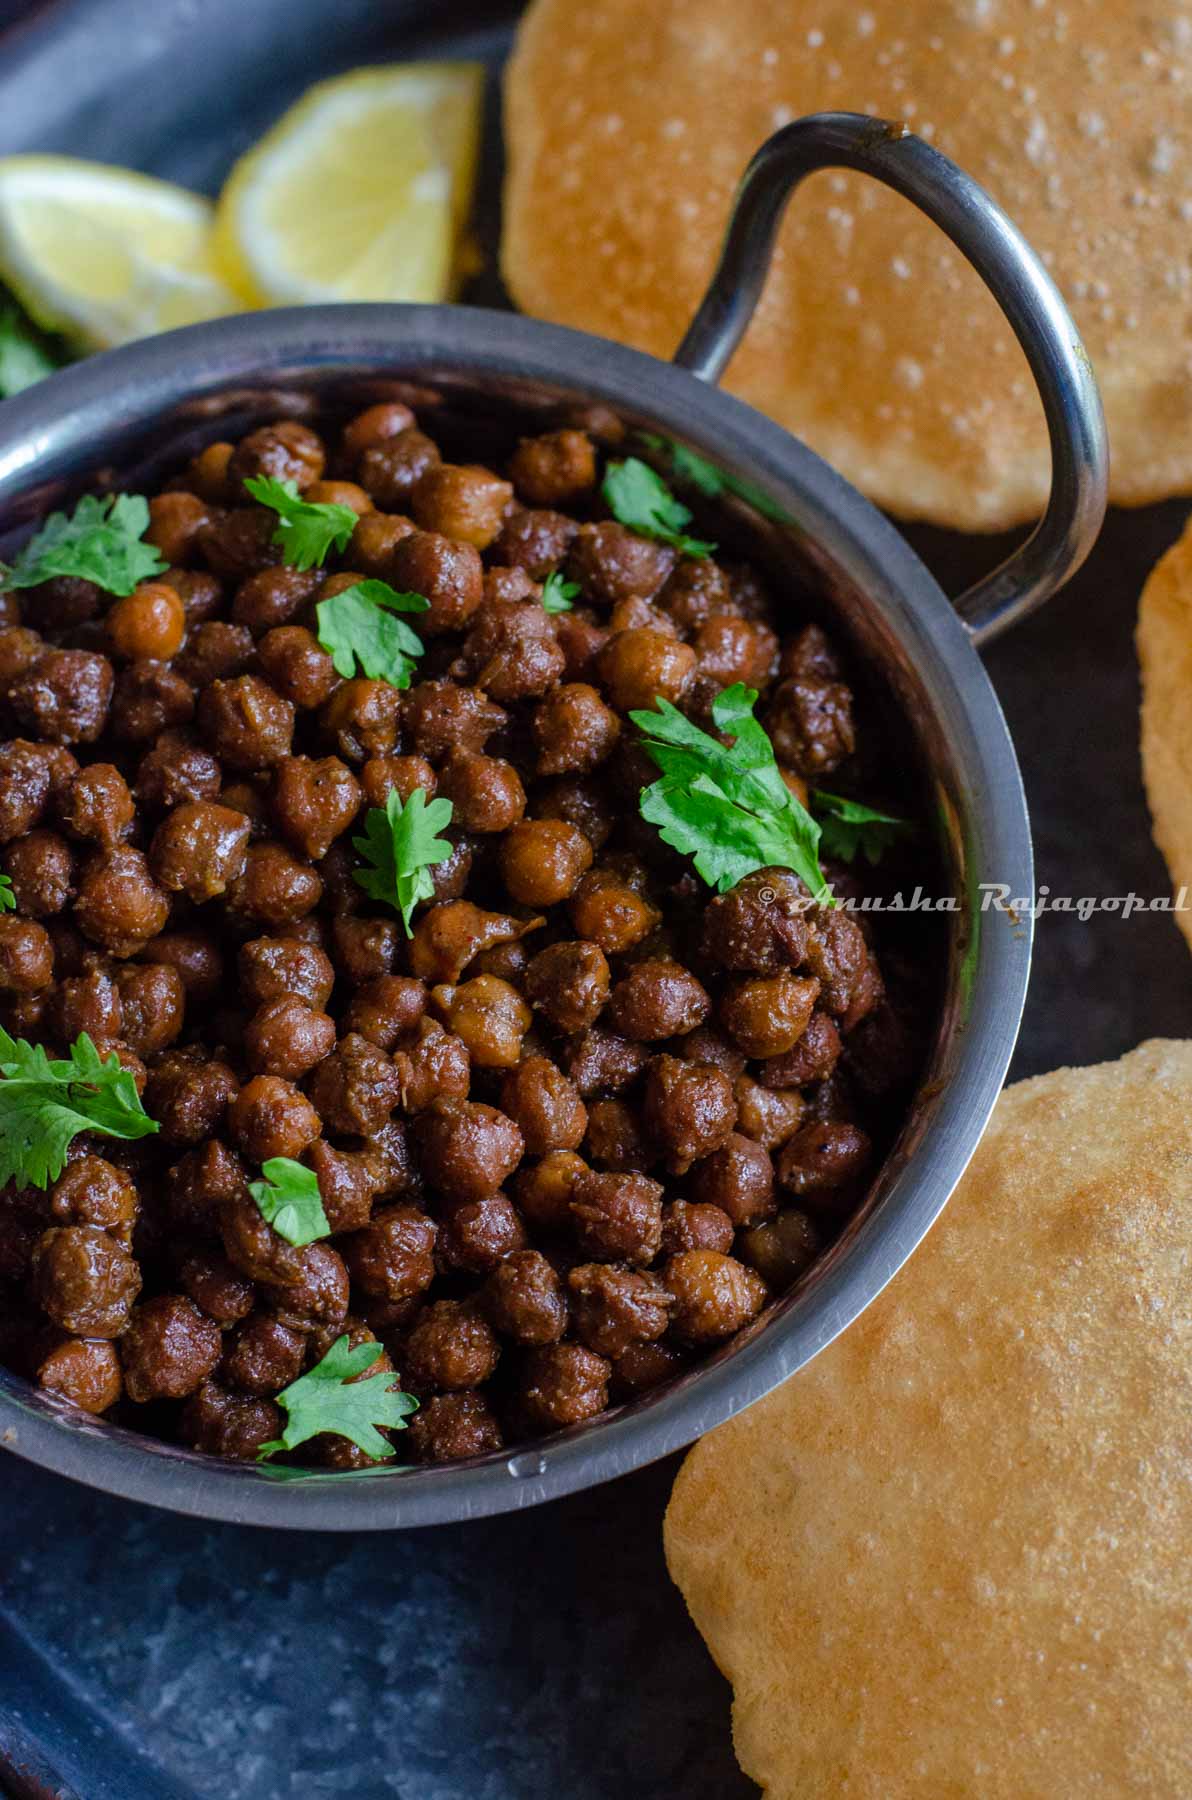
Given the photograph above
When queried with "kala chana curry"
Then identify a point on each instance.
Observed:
(430, 1001)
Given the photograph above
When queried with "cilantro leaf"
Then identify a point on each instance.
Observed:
(851, 829)
(306, 529)
(641, 499)
(330, 1397)
(100, 542)
(289, 1200)
(8, 900)
(400, 843)
(689, 465)
(24, 354)
(44, 1105)
(359, 626)
(557, 594)
(726, 806)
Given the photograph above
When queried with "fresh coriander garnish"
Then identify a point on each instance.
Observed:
(401, 845)
(360, 626)
(24, 357)
(306, 529)
(44, 1105)
(850, 829)
(688, 464)
(557, 594)
(289, 1200)
(329, 1398)
(8, 900)
(727, 807)
(641, 499)
(99, 541)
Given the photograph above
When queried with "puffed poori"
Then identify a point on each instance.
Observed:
(628, 127)
(1165, 654)
(951, 1557)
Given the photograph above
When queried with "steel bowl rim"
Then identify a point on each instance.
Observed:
(119, 387)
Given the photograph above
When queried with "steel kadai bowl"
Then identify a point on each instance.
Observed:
(122, 418)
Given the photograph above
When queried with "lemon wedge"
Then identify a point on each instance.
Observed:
(105, 255)
(360, 192)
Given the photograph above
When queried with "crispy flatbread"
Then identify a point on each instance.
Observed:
(953, 1557)
(1165, 653)
(629, 125)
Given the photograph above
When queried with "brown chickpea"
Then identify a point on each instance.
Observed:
(766, 1015)
(488, 1015)
(485, 792)
(295, 663)
(608, 910)
(209, 473)
(555, 469)
(714, 1295)
(462, 501)
(639, 666)
(448, 573)
(375, 425)
(400, 775)
(542, 861)
(269, 1117)
(375, 539)
(148, 623)
(339, 493)
(544, 1190)
(175, 521)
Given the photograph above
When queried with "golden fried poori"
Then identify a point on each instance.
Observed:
(1165, 655)
(952, 1556)
(628, 127)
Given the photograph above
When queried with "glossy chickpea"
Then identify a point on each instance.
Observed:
(737, 1177)
(485, 792)
(149, 622)
(638, 666)
(688, 1225)
(284, 1037)
(296, 665)
(544, 1190)
(40, 868)
(612, 563)
(609, 909)
(362, 719)
(542, 860)
(175, 522)
(714, 1295)
(386, 1009)
(488, 1016)
(545, 1106)
(462, 501)
(523, 1299)
(556, 469)
(768, 1115)
(384, 775)
(562, 1384)
(391, 470)
(285, 451)
(688, 1110)
(270, 1117)
(272, 968)
(781, 1248)
(448, 573)
(574, 730)
(569, 984)
(766, 1015)
(433, 1064)
(657, 998)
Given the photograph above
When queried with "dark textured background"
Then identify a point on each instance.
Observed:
(143, 1655)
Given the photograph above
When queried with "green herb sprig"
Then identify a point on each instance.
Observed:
(306, 529)
(8, 900)
(331, 1397)
(290, 1201)
(851, 829)
(44, 1105)
(639, 498)
(361, 626)
(401, 846)
(557, 594)
(726, 806)
(99, 541)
